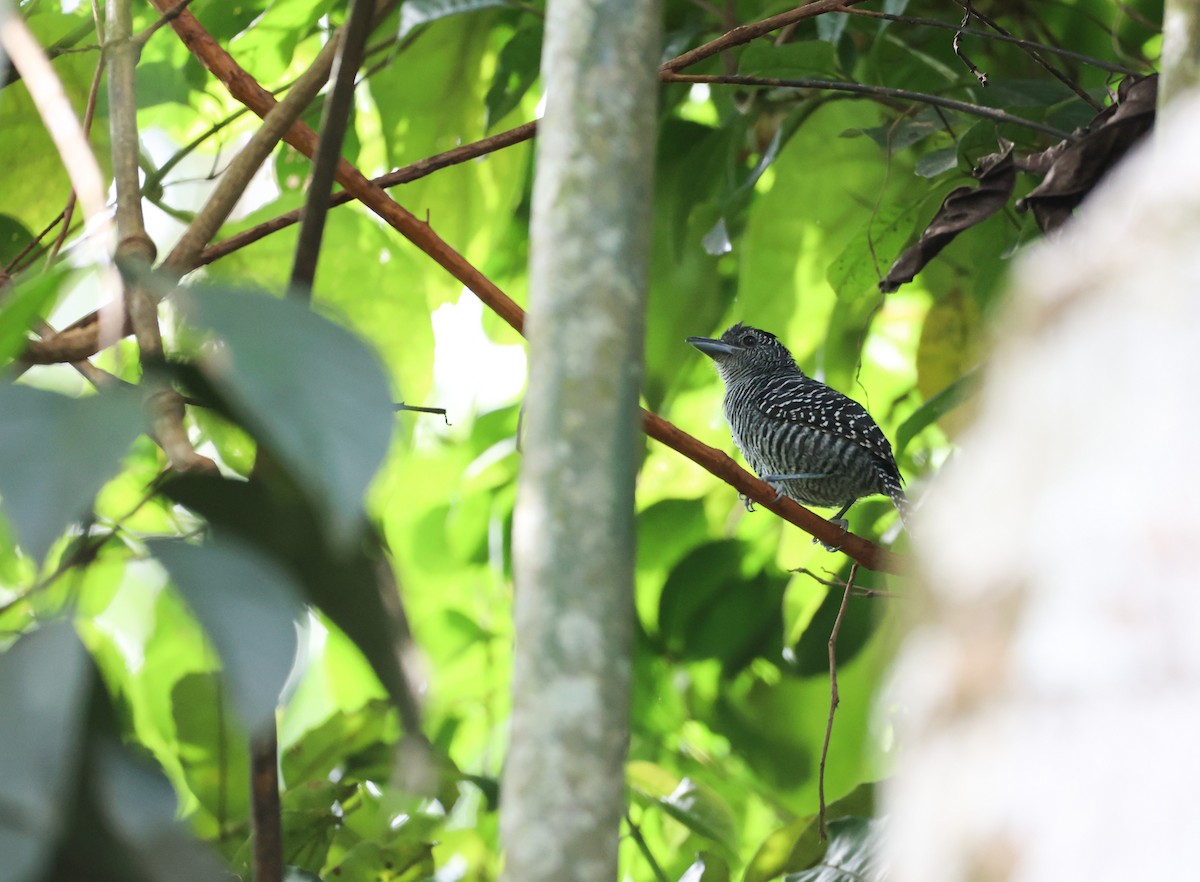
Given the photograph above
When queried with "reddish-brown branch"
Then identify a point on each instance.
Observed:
(243, 87)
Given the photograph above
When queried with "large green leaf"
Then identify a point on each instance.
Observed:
(344, 583)
(691, 803)
(249, 607)
(56, 452)
(851, 855)
(44, 684)
(307, 387)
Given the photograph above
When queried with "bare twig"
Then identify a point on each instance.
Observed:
(232, 183)
(329, 149)
(834, 700)
(992, 35)
(979, 110)
(88, 115)
(404, 175)
(956, 44)
(135, 249)
(1035, 55)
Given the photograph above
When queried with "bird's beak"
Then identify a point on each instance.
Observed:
(710, 347)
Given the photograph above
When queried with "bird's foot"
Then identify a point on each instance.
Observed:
(746, 501)
(837, 522)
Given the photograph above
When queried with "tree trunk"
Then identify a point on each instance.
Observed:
(564, 781)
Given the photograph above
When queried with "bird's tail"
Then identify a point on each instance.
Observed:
(899, 499)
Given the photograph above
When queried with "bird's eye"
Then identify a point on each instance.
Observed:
(749, 340)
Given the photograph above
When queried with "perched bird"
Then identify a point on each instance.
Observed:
(812, 442)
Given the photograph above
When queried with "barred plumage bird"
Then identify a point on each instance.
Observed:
(812, 442)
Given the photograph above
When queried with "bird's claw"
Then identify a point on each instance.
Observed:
(839, 522)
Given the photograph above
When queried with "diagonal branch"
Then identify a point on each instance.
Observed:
(243, 87)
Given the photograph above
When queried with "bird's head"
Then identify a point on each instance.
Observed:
(743, 351)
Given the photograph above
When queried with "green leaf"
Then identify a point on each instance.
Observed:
(853, 843)
(694, 805)
(44, 683)
(308, 388)
(935, 408)
(213, 750)
(808, 58)
(798, 845)
(248, 605)
(56, 453)
(14, 236)
(20, 306)
(855, 273)
(937, 162)
(517, 69)
(343, 583)
(709, 610)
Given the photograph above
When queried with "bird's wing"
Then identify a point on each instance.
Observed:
(799, 399)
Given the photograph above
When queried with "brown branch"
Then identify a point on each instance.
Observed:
(746, 33)
(834, 700)
(979, 110)
(264, 801)
(244, 88)
(407, 174)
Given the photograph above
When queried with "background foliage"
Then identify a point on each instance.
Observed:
(782, 207)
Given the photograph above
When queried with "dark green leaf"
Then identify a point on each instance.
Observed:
(56, 452)
(517, 68)
(344, 584)
(935, 408)
(708, 609)
(248, 605)
(809, 58)
(307, 387)
(44, 683)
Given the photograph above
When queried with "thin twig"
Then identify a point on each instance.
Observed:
(166, 18)
(636, 832)
(991, 35)
(979, 110)
(1036, 56)
(89, 114)
(833, 700)
(329, 150)
(956, 44)
(230, 186)
(404, 175)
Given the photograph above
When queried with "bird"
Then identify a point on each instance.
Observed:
(810, 442)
